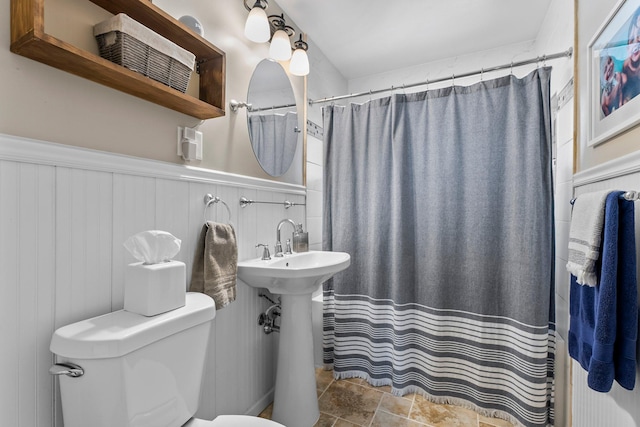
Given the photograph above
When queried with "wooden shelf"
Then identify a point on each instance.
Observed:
(29, 39)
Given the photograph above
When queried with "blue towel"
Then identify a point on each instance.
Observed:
(604, 319)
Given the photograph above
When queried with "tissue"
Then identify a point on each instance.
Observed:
(153, 246)
(155, 284)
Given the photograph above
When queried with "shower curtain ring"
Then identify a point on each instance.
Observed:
(481, 73)
(511, 72)
(453, 79)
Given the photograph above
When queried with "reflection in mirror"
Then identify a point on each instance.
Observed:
(272, 118)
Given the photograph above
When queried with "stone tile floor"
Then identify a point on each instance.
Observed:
(354, 403)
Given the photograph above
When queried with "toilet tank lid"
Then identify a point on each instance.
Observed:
(121, 332)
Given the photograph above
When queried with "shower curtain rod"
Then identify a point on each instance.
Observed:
(274, 107)
(566, 54)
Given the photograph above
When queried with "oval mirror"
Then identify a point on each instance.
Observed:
(272, 118)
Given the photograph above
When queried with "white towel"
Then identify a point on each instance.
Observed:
(585, 236)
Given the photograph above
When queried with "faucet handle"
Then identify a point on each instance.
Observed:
(278, 249)
(288, 247)
(265, 253)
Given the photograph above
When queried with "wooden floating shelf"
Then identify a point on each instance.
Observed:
(29, 39)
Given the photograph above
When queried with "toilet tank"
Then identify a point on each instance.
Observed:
(138, 371)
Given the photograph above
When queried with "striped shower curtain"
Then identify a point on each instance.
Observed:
(444, 201)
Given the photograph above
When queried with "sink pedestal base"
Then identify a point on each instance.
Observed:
(296, 400)
(294, 277)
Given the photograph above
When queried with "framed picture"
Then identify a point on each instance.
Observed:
(614, 73)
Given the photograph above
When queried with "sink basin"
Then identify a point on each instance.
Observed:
(294, 277)
(296, 274)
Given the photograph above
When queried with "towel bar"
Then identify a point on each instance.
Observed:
(629, 195)
(632, 195)
(244, 202)
(209, 200)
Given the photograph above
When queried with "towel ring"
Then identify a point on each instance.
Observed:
(210, 200)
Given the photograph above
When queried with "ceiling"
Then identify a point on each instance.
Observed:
(367, 37)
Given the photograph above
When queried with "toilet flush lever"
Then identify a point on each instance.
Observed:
(68, 369)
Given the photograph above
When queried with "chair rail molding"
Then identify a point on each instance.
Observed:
(618, 167)
(25, 150)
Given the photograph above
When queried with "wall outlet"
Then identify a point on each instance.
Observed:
(190, 135)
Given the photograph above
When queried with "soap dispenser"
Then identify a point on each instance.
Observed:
(300, 240)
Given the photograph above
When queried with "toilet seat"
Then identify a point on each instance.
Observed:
(233, 421)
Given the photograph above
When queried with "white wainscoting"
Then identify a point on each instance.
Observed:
(64, 214)
(619, 407)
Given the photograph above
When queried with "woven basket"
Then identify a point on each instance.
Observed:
(119, 41)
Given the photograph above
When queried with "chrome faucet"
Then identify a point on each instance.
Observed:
(278, 251)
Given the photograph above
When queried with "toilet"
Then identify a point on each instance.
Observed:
(127, 370)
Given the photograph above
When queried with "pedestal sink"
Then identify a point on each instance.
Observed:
(294, 277)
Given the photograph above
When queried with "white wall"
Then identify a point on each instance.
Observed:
(443, 69)
(323, 81)
(64, 215)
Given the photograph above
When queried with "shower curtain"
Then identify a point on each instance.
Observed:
(274, 139)
(444, 201)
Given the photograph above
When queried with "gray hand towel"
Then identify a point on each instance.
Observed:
(215, 264)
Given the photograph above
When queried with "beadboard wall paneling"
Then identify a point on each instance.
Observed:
(10, 270)
(83, 201)
(26, 292)
(619, 407)
(134, 210)
(42, 247)
(172, 214)
(64, 214)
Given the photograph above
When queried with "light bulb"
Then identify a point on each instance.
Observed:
(280, 49)
(257, 28)
(299, 65)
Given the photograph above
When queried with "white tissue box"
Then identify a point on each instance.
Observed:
(155, 288)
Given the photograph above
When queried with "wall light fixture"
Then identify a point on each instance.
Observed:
(299, 65)
(280, 48)
(260, 28)
(257, 27)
